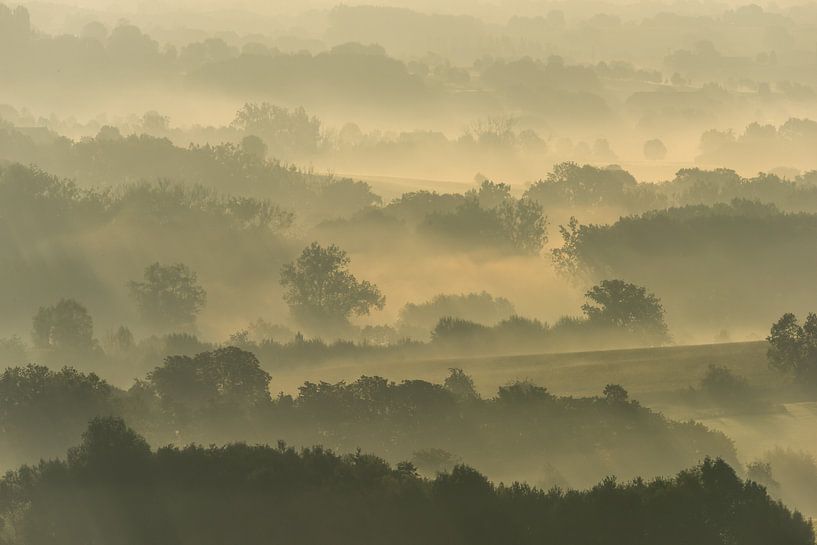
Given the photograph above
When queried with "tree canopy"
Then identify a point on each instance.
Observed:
(625, 306)
(114, 489)
(322, 293)
(169, 296)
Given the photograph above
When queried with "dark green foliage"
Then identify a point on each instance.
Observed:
(42, 411)
(454, 330)
(793, 348)
(227, 383)
(628, 308)
(223, 395)
(112, 489)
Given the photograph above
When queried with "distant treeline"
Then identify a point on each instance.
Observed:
(224, 395)
(583, 188)
(112, 488)
(111, 160)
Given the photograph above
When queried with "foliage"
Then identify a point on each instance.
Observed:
(223, 395)
(627, 307)
(114, 489)
(286, 132)
(225, 383)
(516, 225)
(170, 296)
(65, 326)
(724, 255)
(42, 411)
(479, 307)
(322, 293)
(793, 348)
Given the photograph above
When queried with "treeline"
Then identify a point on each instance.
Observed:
(788, 144)
(719, 265)
(323, 295)
(113, 488)
(111, 160)
(487, 218)
(523, 431)
(586, 188)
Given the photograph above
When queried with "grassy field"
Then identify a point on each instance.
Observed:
(648, 373)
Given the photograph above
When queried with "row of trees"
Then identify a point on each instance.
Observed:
(487, 219)
(582, 188)
(112, 488)
(521, 431)
(323, 294)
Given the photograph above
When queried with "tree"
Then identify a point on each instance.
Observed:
(285, 131)
(491, 194)
(793, 348)
(42, 411)
(458, 331)
(321, 292)
(225, 382)
(627, 307)
(655, 150)
(566, 258)
(254, 146)
(525, 225)
(169, 296)
(65, 326)
(110, 449)
(460, 384)
(615, 393)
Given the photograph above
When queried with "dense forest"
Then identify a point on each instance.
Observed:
(113, 488)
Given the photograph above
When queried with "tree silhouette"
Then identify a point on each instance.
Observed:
(793, 348)
(65, 326)
(322, 293)
(170, 296)
(625, 306)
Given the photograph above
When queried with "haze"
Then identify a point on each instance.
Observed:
(472, 272)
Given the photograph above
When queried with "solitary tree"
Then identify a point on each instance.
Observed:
(615, 393)
(66, 325)
(169, 295)
(321, 292)
(655, 150)
(625, 306)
